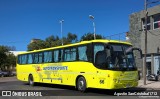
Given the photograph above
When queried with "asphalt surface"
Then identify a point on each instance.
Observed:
(51, 91)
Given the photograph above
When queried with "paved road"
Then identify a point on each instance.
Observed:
(61, 92)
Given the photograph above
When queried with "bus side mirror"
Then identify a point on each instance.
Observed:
(132, 49)
(140, 52)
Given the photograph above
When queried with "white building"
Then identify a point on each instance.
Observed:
(16, 52)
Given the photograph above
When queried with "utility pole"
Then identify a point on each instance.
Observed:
(61, 22)
(146, 3)
(145, 49)
(94, 26)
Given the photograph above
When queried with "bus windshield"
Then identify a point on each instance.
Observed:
(119, 60)
(116, 58)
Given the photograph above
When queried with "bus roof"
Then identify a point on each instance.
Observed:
(79, 43)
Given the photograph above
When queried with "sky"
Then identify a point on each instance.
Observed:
(23, 20)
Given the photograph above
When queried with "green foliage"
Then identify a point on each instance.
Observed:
(52, 41)
(90, 36)
(3, 56)
(10, 61)
(72, 38)
(36, 45)
(6, 58)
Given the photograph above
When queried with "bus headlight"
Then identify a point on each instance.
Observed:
(116, 80)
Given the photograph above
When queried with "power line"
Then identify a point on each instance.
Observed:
(119, 35)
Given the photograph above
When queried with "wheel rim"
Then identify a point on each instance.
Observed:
(31, 80)
(81, 84)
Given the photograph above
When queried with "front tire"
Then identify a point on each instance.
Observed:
(31, 80)
(81, 84)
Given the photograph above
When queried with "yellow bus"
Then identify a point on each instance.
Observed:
(103, 64)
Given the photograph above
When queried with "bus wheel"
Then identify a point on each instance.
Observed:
(31, 80)
(81, 84)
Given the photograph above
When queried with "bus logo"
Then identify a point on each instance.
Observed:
(38, 68)
(56, 68)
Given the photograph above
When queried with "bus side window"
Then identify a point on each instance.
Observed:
(67, 55)
(82, 53)
(19, 59)
(70, 54)
(60, 55)
(24, 59)
(100, 60)
(89, 53)
(56, 57)
(30, 59)
(98, 47)
(38, 58)
(47, 56)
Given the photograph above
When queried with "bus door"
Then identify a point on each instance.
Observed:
(99, 62)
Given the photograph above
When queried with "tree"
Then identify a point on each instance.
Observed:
(36, 45)
(6, 58)
(3, 56)
(90, 36)
(72, 38)
(10, 61)
(50, 41)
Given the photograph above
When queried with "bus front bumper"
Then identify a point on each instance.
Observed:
(124, 84)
